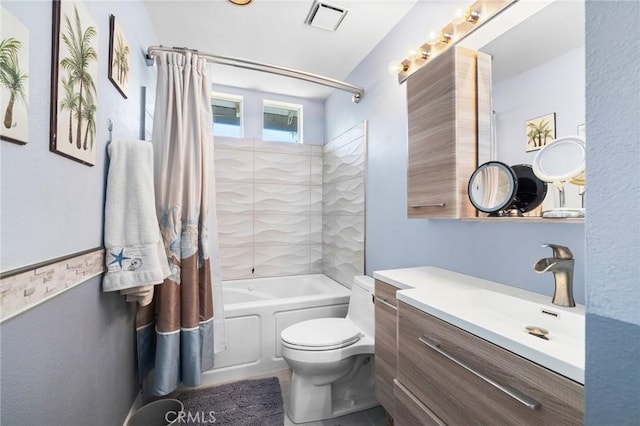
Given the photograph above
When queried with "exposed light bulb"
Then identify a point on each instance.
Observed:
(396, 67)
(432, 38)
(458, 16)
(471, 15)
(416, 53)
(445, 36)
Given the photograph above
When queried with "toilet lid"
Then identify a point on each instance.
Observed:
(328, 333)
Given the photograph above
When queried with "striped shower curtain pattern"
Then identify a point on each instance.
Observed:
(175, 333)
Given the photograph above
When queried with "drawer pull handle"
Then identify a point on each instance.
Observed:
(419, 206)
(513, 393)
(384, 302)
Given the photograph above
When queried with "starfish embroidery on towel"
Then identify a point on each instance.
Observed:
(118, 258)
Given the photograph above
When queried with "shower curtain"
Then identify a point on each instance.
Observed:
(178, 334)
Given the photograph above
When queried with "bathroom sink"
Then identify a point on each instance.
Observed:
(515, 313)
(523, 322)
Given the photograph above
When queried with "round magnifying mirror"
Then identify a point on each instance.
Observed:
(492, 187)
(558, 162)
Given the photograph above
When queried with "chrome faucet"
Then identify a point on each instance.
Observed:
(561, 264)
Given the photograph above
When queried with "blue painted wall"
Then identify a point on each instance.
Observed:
(502, 252)
(70, 360)
(613, 228)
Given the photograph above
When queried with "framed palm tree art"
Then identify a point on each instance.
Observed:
(14, 79)
(118, 57)
(74, 77)
(540, 131)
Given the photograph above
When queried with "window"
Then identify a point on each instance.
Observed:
(227, 115)
(282, 122)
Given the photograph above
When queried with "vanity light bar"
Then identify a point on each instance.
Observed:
(464, 23)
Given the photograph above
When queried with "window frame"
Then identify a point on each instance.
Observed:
(229, 97)
(299, 108)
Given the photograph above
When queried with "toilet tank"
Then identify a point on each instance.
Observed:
(361, 310)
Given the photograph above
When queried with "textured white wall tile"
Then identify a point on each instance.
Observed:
(234, 165)
(328, 230)
(226, 142)
(345, 138)
(236, 262)
(315, 259)
(347, 266)
(234, 198)
(282, 199)
(278, 260)
(316, 170)
(317, 150)
(344, 206)
(348, 233)
(315, 229)
(281, 229)
(316, 199)
(282, 147)
(282, 168)
(344, 163)
(345, 197)
(235, 230)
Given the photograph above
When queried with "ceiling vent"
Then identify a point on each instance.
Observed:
(326, 16)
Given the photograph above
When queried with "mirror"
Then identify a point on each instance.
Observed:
(562, 161)
(492, 187)
(537, 76)
(500, 190)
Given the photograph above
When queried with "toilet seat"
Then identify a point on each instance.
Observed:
(321, 334)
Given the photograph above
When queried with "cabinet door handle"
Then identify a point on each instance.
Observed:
(385, 302)
(513, 393)
(418, 206)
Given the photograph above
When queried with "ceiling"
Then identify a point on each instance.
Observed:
(273, 32)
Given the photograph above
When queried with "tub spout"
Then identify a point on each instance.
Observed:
(561, 264)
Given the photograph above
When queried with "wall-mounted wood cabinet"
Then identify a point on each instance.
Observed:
(443, 128)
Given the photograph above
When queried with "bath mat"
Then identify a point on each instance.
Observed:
(245, 403)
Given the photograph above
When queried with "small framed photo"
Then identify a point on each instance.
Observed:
(74, 80)
(119, 50)
(540, 131)
(14, 79)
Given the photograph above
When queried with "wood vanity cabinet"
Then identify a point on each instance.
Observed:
(386, 348)
(442, 140)
(433, 387)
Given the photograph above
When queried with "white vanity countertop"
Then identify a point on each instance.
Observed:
(497, 313)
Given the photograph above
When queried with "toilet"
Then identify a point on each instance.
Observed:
(332, 360)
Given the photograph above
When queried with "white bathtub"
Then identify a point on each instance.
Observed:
(257, 310)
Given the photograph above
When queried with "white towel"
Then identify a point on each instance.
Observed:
(135, 255)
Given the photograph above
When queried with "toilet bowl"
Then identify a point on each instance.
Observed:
(332, 360)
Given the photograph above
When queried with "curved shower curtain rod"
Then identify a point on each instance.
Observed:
(357, 92)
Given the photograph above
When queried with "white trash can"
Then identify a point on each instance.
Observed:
(163, 412)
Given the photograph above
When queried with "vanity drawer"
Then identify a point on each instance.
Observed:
(385, 344)
(459, 396)
(410, 411)
(386, 293)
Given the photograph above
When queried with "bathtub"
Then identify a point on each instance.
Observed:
(257, 310)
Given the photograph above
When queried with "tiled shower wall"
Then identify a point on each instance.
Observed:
(269, 205)
(290, 209)
(343, 206)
